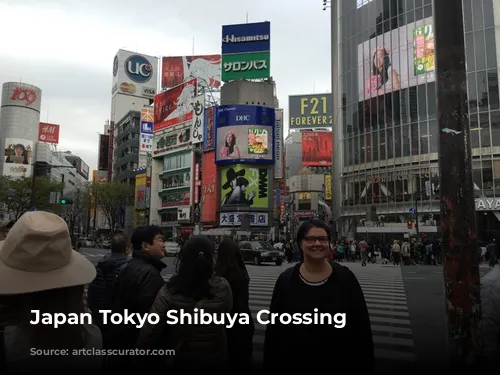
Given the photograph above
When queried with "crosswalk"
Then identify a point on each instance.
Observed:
(385, 297)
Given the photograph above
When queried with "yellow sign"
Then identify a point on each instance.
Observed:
(304, 196)
(328, 187)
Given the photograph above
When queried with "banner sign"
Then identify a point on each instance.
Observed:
(198, 112)
(209, 129)
(165, 142)
(48, 133)
(310, 111)
(246, 66)
(278, 144)
(228, 219)
(328, 187)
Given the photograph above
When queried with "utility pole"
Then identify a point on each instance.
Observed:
(458, 214)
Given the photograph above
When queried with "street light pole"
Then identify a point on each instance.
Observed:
(458, 224)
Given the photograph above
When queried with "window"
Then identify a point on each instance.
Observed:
(177, 161)
(177, 180)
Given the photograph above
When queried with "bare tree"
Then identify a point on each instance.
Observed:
(75, 210)
(111, 197)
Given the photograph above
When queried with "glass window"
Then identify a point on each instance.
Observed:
(469, 52)
(477, 15)
(479, 50)
(397, 142)
(491, 48)
(472, 92)
(433, 136)
(474, 130)
(422, 102)
(482, 91)
(495, 128)
(406, 140)
(487, 169)
(177, 161)
(177, 180)
(414, 139)
(488, 13)
(493, 98)
(424, 138)
(484, 122)
(467, 11)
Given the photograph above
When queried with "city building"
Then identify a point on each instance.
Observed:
(386, 137)
(293, 152)
(126, 148)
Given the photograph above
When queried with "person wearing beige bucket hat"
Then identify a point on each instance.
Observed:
(39, 270)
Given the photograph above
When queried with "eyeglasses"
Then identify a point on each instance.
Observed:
(311, 240)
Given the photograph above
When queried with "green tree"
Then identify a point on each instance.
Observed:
(76, 211)
(17, 195)
(111, 197)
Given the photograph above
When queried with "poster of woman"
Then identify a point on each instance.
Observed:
(244, 142)
(17, 159)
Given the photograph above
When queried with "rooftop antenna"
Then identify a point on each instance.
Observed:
(192, 51)
(247, 16)
(314, 87)
(21, 78)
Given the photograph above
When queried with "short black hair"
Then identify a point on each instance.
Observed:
(119, 243)
(313, 223)
(144, 234)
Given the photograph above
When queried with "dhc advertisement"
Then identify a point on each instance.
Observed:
(244, 134)
(246, 37)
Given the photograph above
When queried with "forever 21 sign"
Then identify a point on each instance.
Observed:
(198, 117)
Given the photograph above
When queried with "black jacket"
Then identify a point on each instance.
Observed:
(100, 290)
(135, 290)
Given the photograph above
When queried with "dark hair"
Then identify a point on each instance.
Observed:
(195, 267)
(230, 263)
(119, 243)
(144, 234)
(384, 74)
(313, 223)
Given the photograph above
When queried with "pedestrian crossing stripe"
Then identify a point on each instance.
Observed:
(385, 298)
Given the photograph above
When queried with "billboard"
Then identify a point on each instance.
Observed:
(140, 200)
(208, 183)
(17, 94)
(111, 148)
(179, 69)
(146, 131)
(244, 133)
(246, 37)
(18, 157)
(255, 65)
(398, 59)
(82, 169)
(317, 149)
(242, 185)
(102, 162)
(48, 133)
(174, 106)
(328, 187)
(198, 113)
(310, 111)
(209, 129)
(166, 141)
(135, 74)
(278, 144)
(228, 219)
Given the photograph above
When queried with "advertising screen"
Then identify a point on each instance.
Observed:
(255, 65)
(178, 69)
(174, 106)
(17, 159)
(310, 111)
(246, 37)
(317, 149)
(246, 186)
(208, 183)
(48, 133)
(398, 59)
(244, 134)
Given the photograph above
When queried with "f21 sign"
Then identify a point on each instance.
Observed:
(198, 117)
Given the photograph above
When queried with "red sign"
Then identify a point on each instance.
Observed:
(48, 133)
(208, 184)
(178, 69)
(174, 106)
(24, 94)
(317, 149)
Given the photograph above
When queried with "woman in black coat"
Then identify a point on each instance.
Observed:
(230, 266)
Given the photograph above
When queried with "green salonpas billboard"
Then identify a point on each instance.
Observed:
(246, 66)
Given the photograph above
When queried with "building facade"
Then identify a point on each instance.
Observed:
(386, 137)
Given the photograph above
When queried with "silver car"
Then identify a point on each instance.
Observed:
(172, 248)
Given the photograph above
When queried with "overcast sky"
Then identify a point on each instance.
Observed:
(66, 47)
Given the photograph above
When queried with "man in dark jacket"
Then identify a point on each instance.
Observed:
(101, 289)
(138, 284)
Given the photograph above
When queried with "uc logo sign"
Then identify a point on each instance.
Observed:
(138, 69)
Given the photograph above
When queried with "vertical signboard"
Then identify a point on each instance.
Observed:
(146, 131)
(328, 187)
(102, 162)
(198, 113)
(209, 129)
(110, 149)
(278, 144)
(208, 188)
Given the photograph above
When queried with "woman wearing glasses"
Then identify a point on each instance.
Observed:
(304, 298)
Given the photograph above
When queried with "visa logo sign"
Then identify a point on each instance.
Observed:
(146, 127)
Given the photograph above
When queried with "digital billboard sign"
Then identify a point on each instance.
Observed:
(396, 60)
(178, 69)
(244, 134)
(317, 149)
(243, 185)
(310, 111)
(246, 37)
(18, 157)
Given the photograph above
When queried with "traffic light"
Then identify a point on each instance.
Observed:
(65, 201)
(409, 224)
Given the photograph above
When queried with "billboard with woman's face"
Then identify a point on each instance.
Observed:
(17, 159)
(398, 59)
(244, 134)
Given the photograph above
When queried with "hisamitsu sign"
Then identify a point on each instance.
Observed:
(310, 111)
(246, 37)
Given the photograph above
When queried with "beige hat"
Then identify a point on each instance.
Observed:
(37, 255)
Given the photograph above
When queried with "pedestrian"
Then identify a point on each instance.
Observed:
(231, 267)
(136, 288)
(198, 347)
(40, 271)
(317, 286)
(396, 253)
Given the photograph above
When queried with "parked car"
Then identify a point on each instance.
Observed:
(89, 243)
(105, 244)
(260, 251)
(172, 248)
